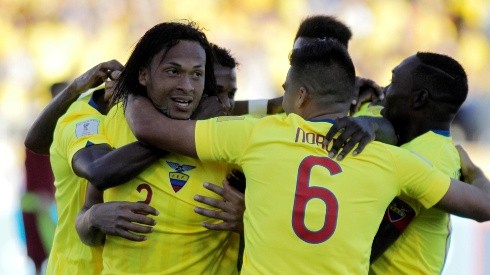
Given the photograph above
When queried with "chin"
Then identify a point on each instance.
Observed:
(179, 116)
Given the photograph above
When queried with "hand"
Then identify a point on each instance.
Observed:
(110, 84)
(469, 171)
(231, 207)
(124, 219)
(209, 107)
(97, 75)
(367, 91)
(352, 131)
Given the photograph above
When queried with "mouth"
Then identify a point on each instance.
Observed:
(182, 101)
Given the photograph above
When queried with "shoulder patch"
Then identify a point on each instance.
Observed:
(87, 128)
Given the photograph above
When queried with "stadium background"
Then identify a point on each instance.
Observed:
(49, 41)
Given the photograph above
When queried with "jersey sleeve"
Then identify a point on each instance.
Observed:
(421, 180)
(81, 132)
(223, 138)
(369, 110)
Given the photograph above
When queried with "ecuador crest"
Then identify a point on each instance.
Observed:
(178, 178)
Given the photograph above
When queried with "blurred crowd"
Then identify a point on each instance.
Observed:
(51, 41)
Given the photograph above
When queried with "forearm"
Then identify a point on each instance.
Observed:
(385, 237)
(241, 108)
(116, 167)
(390, 229)
(274, 106)
(383, 129)
(152, 127)
(40, 135)
(88, 233)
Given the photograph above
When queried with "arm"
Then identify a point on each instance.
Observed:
(40, 134)
(360, 131)
(149, 126)
(209, 107)
(105, 167)
(97, 219)
(391, 228)
(274, 106)
(468, 200)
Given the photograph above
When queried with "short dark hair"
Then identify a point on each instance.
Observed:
(223, 56)
(324, 26)
(326, 69)
(161, 37)
(443, 77)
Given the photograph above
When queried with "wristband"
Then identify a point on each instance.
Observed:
(258, 106)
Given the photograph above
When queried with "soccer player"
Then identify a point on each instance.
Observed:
(170, 65)
(225, 73)
(80, 122)
(324, 213)
(426, 91)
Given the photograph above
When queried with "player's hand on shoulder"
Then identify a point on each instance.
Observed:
(349, 133)
(230, 207)
(124, 219)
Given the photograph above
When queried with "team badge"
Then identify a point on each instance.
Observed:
(398, 210)
(178, 179)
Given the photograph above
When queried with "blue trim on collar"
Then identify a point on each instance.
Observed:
(332, 121)
(92, 102)
(445, 133)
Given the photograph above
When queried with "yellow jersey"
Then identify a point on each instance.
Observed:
(306, 213)
(179, 243)
(79, 127)
(428, 235)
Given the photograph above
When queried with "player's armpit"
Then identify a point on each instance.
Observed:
(396, 219)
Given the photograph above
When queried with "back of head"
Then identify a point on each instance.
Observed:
(444, 78)
(161, 37)
(223, 57)
(325, 68)
(324, 26)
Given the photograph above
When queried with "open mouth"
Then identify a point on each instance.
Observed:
(182, 101)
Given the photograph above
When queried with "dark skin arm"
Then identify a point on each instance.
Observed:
(105, 167)
(40, 134)
(124, 219)
(274, 106)
(391, 229)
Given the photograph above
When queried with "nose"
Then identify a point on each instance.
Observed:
(185, 84)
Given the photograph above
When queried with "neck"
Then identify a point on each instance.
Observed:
(322, 115)
(414, 129)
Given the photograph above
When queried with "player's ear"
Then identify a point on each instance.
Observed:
(421, 98)
(303, 96)
(143, 76)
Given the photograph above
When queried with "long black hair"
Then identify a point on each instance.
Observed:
(161, 37)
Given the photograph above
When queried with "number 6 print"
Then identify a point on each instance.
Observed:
(305, 192)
